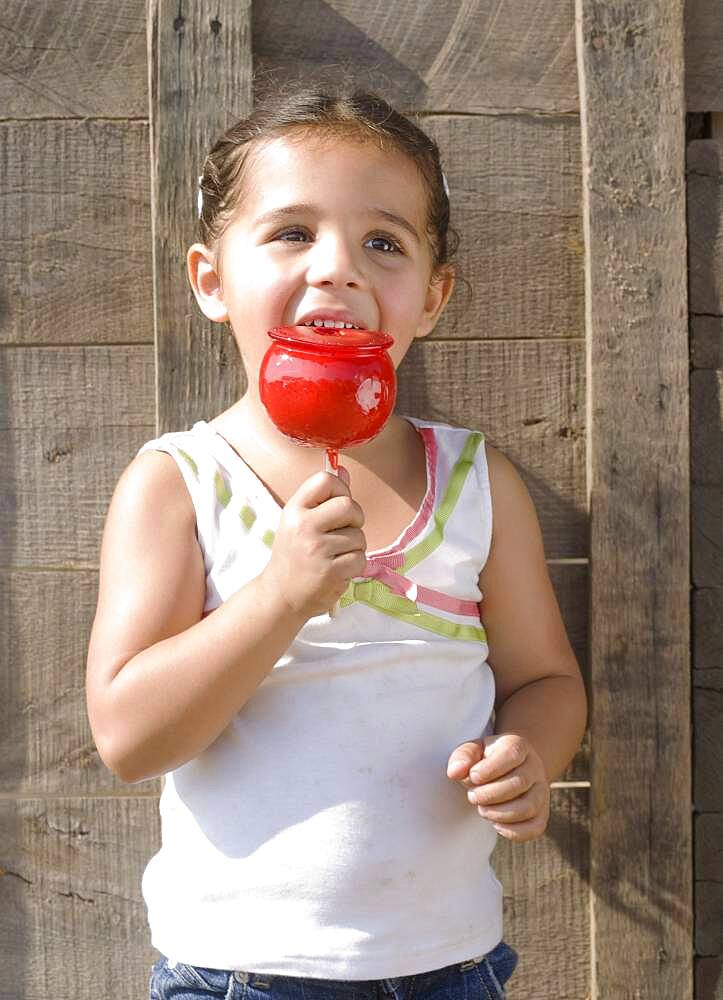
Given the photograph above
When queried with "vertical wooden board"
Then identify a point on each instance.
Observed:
(527, 397)
(86, 58)
(709, 979)
(706, 342)
(707, 535)
(632, 112)
(200, 82)
(72, 919)
(515, 202)
(703, 56)
(708, 629)
(46, 746)
(70, 421)
(705, 232)
(708, 749)
(75, 217)
(706, 401)
(469, 56)
(547, 903)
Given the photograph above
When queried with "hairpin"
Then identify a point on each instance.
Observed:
(200, 196)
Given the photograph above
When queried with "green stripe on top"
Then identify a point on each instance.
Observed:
(443, 511)
(223, 493)
(194, 467)
(377, 595)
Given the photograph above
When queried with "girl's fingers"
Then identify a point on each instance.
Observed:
(337, 512)
(517, 810)
(462, 759)
(502, 754)
(511, 786)
(346, 540)
(520, 832)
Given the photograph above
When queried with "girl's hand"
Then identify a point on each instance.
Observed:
(319, 545)
(506, 780)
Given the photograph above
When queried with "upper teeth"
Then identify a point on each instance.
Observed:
(331, 323)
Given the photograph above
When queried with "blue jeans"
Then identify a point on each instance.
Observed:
(480, 978)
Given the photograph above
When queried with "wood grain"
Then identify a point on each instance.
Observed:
(72, 919)
(200, 82)
(706, 342)
(547, 903)
(527, 397)
(515, 202)
(46, 746)
(463, 56)
(703, 56)
(73, 60)
(636, 293)
(70, 421)
(705, 233)
(707, 535)
(75, 217)
(706, 400)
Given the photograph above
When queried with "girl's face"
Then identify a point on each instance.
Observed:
(326, 229)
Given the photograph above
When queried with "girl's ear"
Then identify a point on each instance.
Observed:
(440, 288)
(206, 283)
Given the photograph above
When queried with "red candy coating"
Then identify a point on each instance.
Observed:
(328, 388)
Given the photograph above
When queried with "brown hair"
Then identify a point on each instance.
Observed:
(355, 114)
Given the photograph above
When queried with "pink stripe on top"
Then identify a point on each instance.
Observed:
(393, 555)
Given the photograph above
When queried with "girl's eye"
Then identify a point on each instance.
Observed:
(293, 235)
(384, 244)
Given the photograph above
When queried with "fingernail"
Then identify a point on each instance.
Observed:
(472, 796)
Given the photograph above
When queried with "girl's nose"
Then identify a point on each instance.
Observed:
(334, 263)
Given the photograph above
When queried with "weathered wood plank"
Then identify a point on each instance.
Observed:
(709, 979)
(547, 903)
(636, 292)
(706, 401)
(70, 421)
(515, 201)
(708, 629)
(85, 60)
(75, 217)
(200, 81)
(709, 846)
(705, 233)
(703, 55)
(706, 343)
(528, 398)
(707, 535)
(707, 728)
(46, 746)
(72, 912)
(421, 55)
(709, 918)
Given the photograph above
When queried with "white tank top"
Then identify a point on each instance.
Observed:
(319, 835)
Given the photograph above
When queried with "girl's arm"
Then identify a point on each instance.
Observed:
(540, 705)
(162, 683)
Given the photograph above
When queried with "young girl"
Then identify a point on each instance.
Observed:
(334, 783)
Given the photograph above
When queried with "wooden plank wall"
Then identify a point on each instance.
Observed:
(633, 124)
(78, 397)
(705, 252)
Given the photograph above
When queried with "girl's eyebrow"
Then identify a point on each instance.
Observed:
(304, 208)
(400, 221)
